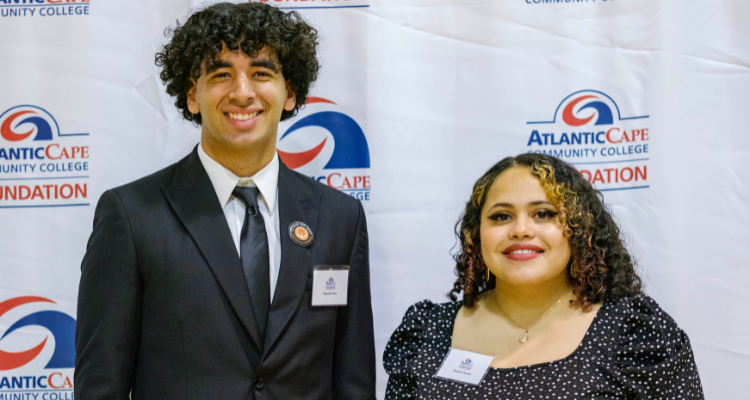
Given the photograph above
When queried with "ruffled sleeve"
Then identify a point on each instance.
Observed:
(653, 354)
(404, 347)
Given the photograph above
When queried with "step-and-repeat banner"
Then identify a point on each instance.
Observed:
(416, 99)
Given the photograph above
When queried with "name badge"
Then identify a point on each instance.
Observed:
(330, 284)
(465, 367)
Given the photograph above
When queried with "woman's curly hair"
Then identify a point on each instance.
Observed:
(248, 26)
(600, 266)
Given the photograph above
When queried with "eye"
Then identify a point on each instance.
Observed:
(501, 216)
(545, 214)
(263, 74)
(221, 75)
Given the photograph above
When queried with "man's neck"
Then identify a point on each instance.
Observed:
(244, 162)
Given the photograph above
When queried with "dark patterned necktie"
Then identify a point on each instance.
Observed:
(254, 256)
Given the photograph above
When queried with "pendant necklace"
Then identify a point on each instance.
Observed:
(525, 336)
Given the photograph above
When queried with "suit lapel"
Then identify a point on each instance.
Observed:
(295, 204)
(192, 197)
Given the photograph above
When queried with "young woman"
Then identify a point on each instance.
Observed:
(551, 293)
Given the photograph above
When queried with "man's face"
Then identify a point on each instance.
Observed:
(241, 100)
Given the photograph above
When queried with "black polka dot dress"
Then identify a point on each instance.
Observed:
(632, 350)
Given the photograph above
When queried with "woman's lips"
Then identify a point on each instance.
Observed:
(522, 252)
(522, 256)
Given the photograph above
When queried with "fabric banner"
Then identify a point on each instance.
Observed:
(415, 100)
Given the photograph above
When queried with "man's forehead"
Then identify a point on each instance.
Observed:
(265, 57)
(266, 52)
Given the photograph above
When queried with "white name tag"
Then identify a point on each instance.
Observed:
(465, 367)
(330, 284)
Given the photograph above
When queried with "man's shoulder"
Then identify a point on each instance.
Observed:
(149, 184)
(329, 197)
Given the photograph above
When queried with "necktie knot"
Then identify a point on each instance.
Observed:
(248, 195)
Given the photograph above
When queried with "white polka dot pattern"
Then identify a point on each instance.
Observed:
(632, 350)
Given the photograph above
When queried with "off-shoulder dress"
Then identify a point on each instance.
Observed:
(632, 350)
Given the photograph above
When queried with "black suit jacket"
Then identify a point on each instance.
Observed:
(164, 311)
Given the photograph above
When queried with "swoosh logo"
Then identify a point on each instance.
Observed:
(43, 129)
(571, 119)
(8, 134)
(296, 160)
(350, 145)
(61, 325)
(602, 110)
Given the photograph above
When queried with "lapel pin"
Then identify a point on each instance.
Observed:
(300, 233)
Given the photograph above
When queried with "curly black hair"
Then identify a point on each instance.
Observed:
(599, 268)
(248, 26)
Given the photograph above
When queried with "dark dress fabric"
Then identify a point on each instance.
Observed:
(632, 350)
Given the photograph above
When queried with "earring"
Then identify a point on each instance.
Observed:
(488, 273)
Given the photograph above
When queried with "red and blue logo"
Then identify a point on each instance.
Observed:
(33, 151)
(588, 128)
(61, 326)
(330, 284)
(466, 364)
(29, 123)
(329, 146)
(350, 149)
(587, 101)
(587, 107)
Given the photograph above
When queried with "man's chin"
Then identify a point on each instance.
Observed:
(249, 142)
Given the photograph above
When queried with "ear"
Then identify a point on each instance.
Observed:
(291, 98)
(192, 100)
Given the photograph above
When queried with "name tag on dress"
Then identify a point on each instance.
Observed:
(330, 284)
(465, 367)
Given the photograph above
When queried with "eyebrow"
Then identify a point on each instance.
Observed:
(265, 63)
(262, 63)
(532, 203)
(213, 65)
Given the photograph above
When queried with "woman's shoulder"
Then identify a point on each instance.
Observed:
(639, 309)
(646, 334)
(426, 318)
(426, 311)
(651, 350)
(422, 321)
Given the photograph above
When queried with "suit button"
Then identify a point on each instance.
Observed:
(259, 383)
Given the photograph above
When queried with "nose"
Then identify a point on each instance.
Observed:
(243, 93)
(522, 228)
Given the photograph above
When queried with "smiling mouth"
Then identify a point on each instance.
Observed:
(243, 117)
(524, 252)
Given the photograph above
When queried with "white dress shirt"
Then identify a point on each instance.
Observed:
(267, 182)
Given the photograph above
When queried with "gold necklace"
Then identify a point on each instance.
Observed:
(525, 336)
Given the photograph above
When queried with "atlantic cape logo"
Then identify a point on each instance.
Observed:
(330, 284)
(43, 8)
(329, 146)
(37, 349)
(466, 364)
(588, 131)
(39, 165)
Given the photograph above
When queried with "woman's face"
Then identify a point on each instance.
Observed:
(522, 239)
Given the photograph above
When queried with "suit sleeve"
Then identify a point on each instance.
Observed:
(354, 357)
(109, 306)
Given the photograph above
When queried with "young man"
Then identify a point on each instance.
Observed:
(197, 280)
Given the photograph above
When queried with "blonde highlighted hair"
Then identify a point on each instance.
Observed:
(600, 266)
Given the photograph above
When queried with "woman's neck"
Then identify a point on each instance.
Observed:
(524, 304)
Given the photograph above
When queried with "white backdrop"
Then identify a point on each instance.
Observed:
(440, 90)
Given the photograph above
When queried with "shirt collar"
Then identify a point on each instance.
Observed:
(224, 180)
